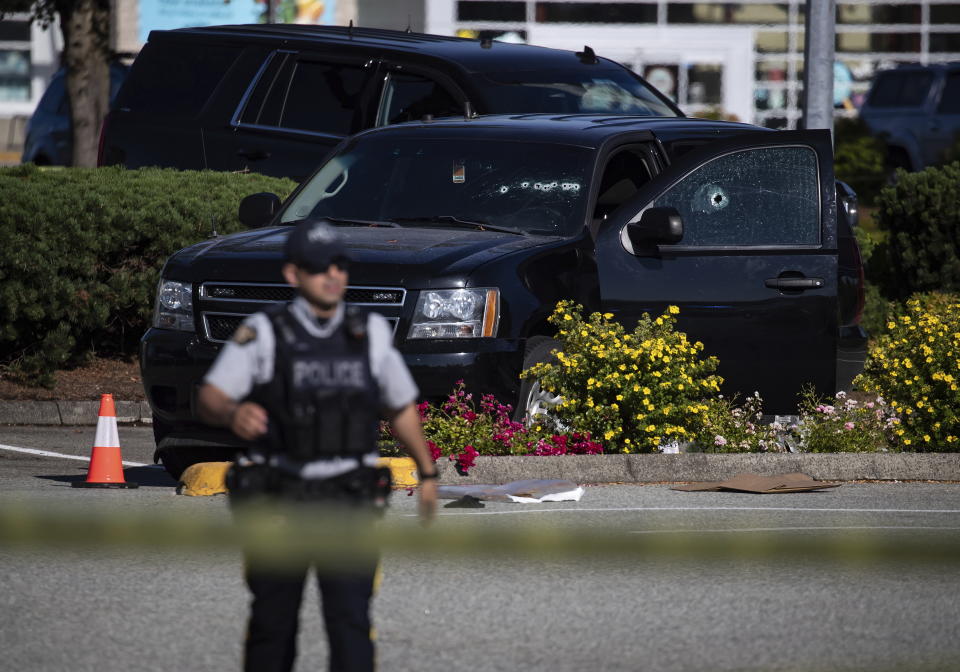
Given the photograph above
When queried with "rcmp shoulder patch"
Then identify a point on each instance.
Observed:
(244, 334)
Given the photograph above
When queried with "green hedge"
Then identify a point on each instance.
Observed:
(859, 159)
(921, 214)
(81, 250)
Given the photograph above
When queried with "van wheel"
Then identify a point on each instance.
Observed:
(535, 402)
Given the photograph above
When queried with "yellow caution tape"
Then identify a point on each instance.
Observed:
(278, 535)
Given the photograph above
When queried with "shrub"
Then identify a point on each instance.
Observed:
(641, 390)
(921, 212)
(915, 366)
(843, 425)
(859, 159)
(728, 428)
(81, 250)
(462, 430)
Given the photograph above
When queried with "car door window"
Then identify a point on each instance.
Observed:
(950, 101)
(409, 97)
(757, 197)
(901, 89)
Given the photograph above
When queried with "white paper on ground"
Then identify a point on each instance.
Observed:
(521, 492)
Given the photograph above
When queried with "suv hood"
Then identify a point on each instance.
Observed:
(412, 257)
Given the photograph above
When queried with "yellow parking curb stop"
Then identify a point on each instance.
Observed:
(403, 471)
(204, 479)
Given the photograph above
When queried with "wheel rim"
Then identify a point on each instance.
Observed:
(540, 405)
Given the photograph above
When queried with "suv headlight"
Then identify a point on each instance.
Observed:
(174, 307)
(456, 313)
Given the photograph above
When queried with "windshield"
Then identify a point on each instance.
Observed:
(526, 187)
(611, 90)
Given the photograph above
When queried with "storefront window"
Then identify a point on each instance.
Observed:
(596, 12)
(709, 12)
(704, 84)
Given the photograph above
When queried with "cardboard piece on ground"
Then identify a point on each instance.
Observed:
(795, 482)
(524, 492)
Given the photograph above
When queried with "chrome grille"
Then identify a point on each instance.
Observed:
(224, 305)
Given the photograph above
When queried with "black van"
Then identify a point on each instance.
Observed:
(274, 99)
(464, 234)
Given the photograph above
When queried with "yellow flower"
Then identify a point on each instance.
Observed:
(567, 317)
(608, 434)
(673, 310)
(651, 428)
(608, 316)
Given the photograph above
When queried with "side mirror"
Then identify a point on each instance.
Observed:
(657, 226)
(257, 210)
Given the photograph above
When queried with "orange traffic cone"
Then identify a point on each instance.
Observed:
(106, 467)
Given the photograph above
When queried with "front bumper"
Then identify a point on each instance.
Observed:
(173, 364)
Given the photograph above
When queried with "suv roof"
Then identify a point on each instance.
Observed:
(587, 130)
(473, 55)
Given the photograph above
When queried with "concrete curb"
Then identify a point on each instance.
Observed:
(707, 467)
(692, 467)
(70, 412)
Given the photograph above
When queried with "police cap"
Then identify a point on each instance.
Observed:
(314, 245)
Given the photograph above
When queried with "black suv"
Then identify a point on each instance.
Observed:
(275, 99)
(465, 233)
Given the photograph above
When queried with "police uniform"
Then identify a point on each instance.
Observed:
(323, 383)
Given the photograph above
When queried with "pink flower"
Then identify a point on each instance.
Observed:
(719, 440)
(465, 460)
(434, 451)
(848, 425)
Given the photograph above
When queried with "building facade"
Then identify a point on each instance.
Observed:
(743, 59)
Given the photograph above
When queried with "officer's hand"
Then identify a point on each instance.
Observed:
(249, 421)
(428, 500)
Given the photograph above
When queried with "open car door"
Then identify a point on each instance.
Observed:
(741, 234)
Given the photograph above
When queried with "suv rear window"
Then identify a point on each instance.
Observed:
(901, 89)
(172, 78)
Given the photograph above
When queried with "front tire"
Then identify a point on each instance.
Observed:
(533, 400)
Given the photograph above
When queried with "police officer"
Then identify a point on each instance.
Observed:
(303, 384)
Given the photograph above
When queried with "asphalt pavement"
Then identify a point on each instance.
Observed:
(121, 609)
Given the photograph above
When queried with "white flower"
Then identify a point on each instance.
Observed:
(719, 440)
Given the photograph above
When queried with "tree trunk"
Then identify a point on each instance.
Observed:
(86, 38)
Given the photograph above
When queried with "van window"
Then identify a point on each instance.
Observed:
(901, 89)
(768, 196)
(408, 97)
(175, 79)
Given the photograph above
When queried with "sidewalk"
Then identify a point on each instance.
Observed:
(586, 468)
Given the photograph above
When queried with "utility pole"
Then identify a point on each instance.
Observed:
(272, 11)
(818, 48)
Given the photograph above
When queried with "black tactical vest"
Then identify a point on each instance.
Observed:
(322, 401)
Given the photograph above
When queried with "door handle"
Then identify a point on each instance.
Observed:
(253, 154)
(793, 284)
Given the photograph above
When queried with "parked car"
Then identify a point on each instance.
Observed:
(916, 109)
(48, 139)
(274, 99)
(465, 233)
